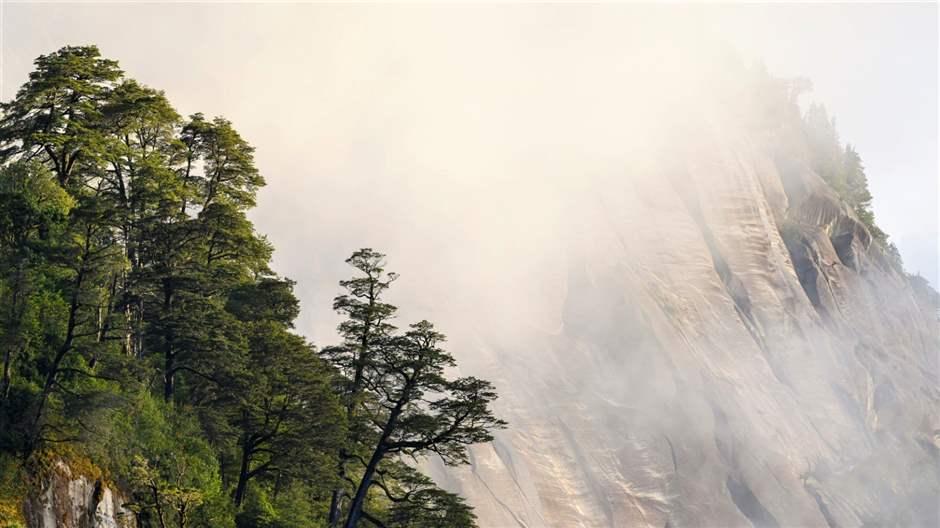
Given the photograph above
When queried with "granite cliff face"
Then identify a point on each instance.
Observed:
(732, 350)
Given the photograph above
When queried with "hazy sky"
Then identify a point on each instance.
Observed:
(361, 101)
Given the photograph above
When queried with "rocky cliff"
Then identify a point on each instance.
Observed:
(67, 499)
(732, 349)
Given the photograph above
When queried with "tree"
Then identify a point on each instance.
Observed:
(33, 225)
(416, 502)
(87, 263)
(196, 243)
(416, 410)
(284, 414)
(399, 404)
(56, 115)
(140, 165)
(365, 329)
(841, 168)
(33, 209)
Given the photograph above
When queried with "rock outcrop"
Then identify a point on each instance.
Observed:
(69, 500)
(733, 350)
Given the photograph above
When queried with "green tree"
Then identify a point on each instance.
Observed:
(33, 224)
(416, 410)
(416, 502)
(287, 417)
(398, 400)
(33, 209)
(366, 328)
(56, 116)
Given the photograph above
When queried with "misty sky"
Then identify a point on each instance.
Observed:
(362, 100)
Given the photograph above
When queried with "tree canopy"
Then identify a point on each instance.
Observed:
(143, 329)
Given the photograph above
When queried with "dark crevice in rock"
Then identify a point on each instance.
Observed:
(809, 269)
(732, 284)
(804, 264)
(821, 503)
(749, 505)
(723, 440)
(96, 497)
(844, 249)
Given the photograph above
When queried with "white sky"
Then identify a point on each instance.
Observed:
(327, 93)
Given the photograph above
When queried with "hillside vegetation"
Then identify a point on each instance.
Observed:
(147, 343)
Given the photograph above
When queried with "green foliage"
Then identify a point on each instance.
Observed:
(57, 113)
(258, 513)
(13, 491)
(399, 405)
(841, 167)
(414, 501)
(145, 338)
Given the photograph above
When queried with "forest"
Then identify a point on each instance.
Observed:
(148, 345)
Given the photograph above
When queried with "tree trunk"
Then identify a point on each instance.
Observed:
(60, 355)
(169, 357)
(355, 509)
(334, 508)
(169, 373)
(5, 381)
(243, 474)
(337, 494)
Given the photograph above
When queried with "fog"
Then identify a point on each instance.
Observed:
(577, 196)
(415, 126)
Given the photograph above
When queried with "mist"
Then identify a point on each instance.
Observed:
(589, 202)
(364, 103)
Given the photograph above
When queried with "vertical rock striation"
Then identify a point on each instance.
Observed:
(734, 350)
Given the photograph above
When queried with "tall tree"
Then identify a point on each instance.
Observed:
(284, 414)
(366, 328)
(140, 165)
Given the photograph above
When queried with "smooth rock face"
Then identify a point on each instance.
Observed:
(732, 350)
(70, 501)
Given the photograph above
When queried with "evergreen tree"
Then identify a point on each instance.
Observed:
(284, 415)
(56, 116)
(416, 410)
(365, 329)
(400, 404)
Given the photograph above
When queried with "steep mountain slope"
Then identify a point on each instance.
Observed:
(734, 350)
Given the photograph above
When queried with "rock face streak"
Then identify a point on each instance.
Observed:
(733, 351)
(66, 500)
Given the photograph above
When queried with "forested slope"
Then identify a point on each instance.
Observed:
(151, 375)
